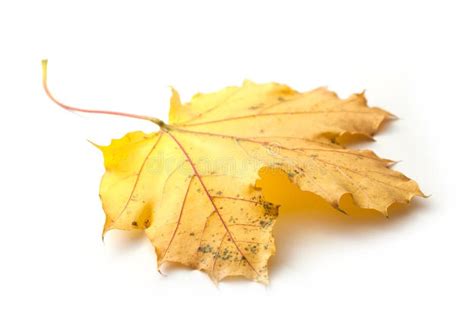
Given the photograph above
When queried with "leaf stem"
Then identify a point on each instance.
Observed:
(44, 63)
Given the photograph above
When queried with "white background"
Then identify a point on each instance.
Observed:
(413, 58)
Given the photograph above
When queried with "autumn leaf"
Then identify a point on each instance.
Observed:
(191, 184)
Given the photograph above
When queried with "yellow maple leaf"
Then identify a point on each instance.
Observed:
(191, 184)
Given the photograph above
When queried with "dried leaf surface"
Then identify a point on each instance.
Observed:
(191, 186)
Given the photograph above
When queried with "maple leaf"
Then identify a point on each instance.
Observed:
(191, 184)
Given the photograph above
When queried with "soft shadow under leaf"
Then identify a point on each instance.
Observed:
(277, 188)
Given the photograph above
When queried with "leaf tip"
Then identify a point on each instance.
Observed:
(101, 148)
